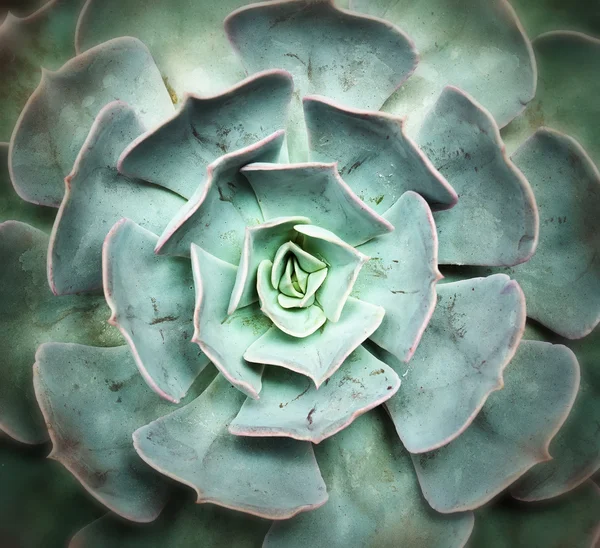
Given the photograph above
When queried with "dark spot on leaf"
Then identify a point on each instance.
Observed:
(164, 319)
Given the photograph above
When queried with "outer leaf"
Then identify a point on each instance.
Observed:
(177, 153)
(274, 479)
(32, 316)
(495, 221)
(568, 521)
(152, 303)
(93, 399)
(42, 39)
(191, 48)
(509, 435)
(222, 337)
(318, 192)
(401, 275)
(477, 46)
(55, 122)
(375, 499)
(375, 156)
(217, 215)
(562, 280)
(362, 383)
(321, 354)
(181, 524)
(97, 196)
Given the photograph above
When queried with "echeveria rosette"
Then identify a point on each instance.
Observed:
(316, 283)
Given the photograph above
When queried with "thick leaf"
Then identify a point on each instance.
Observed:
(97, 196)
(321, 354)
(152, 302)
(477, 46)
(318, 192)
(568, 88)
(190, 47)
(510, 434)
(401, 275)
(495, 221)
(269, 478)
(291, 406)
(31, 316)
(177, 153)
(42, 39)
(13, 207)
(567, 521)
(375, 499)
(34, 492)
(374, 155)
(93, 399)
(216, 216)
(562, 280)
(222, 337)
(356, 60)
(55, 122)
(182, 524)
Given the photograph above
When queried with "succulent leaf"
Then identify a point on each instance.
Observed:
(266, 477)
(318, 192)
(401, 275)
(32, 315)
(510, 434)
(477, 46)
(374, 497)
(216, 216)
(177, 152)
(152, 303)
(291, 406)
(97, 196)
(495, 221)
(222, 337)
(374, 155)
(57, 118)
(321, 354)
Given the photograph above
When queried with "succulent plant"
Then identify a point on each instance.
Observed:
(223, 249)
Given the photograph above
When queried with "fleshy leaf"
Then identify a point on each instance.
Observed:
(191, 48)
(152, 303)
(401, 275)
(216, 216)
(293, 322)
(567, 521)
(181, 524)
(495, 221)
(32, 315)
(350, 58)
(44, 38)
(177, 153)
(321, 354)
(375, 498)
(473, 334)
(222, 337)
(13, 207)
(568, 88)
(93, 399)
(270, 478)
(55, 122)
(477, 46)
(291, 406)
(562, 280)
(375, 156)
(575, 449)
(34, 492)
(261, 242)
(510, 434)
(318, 192)
(97, 196)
